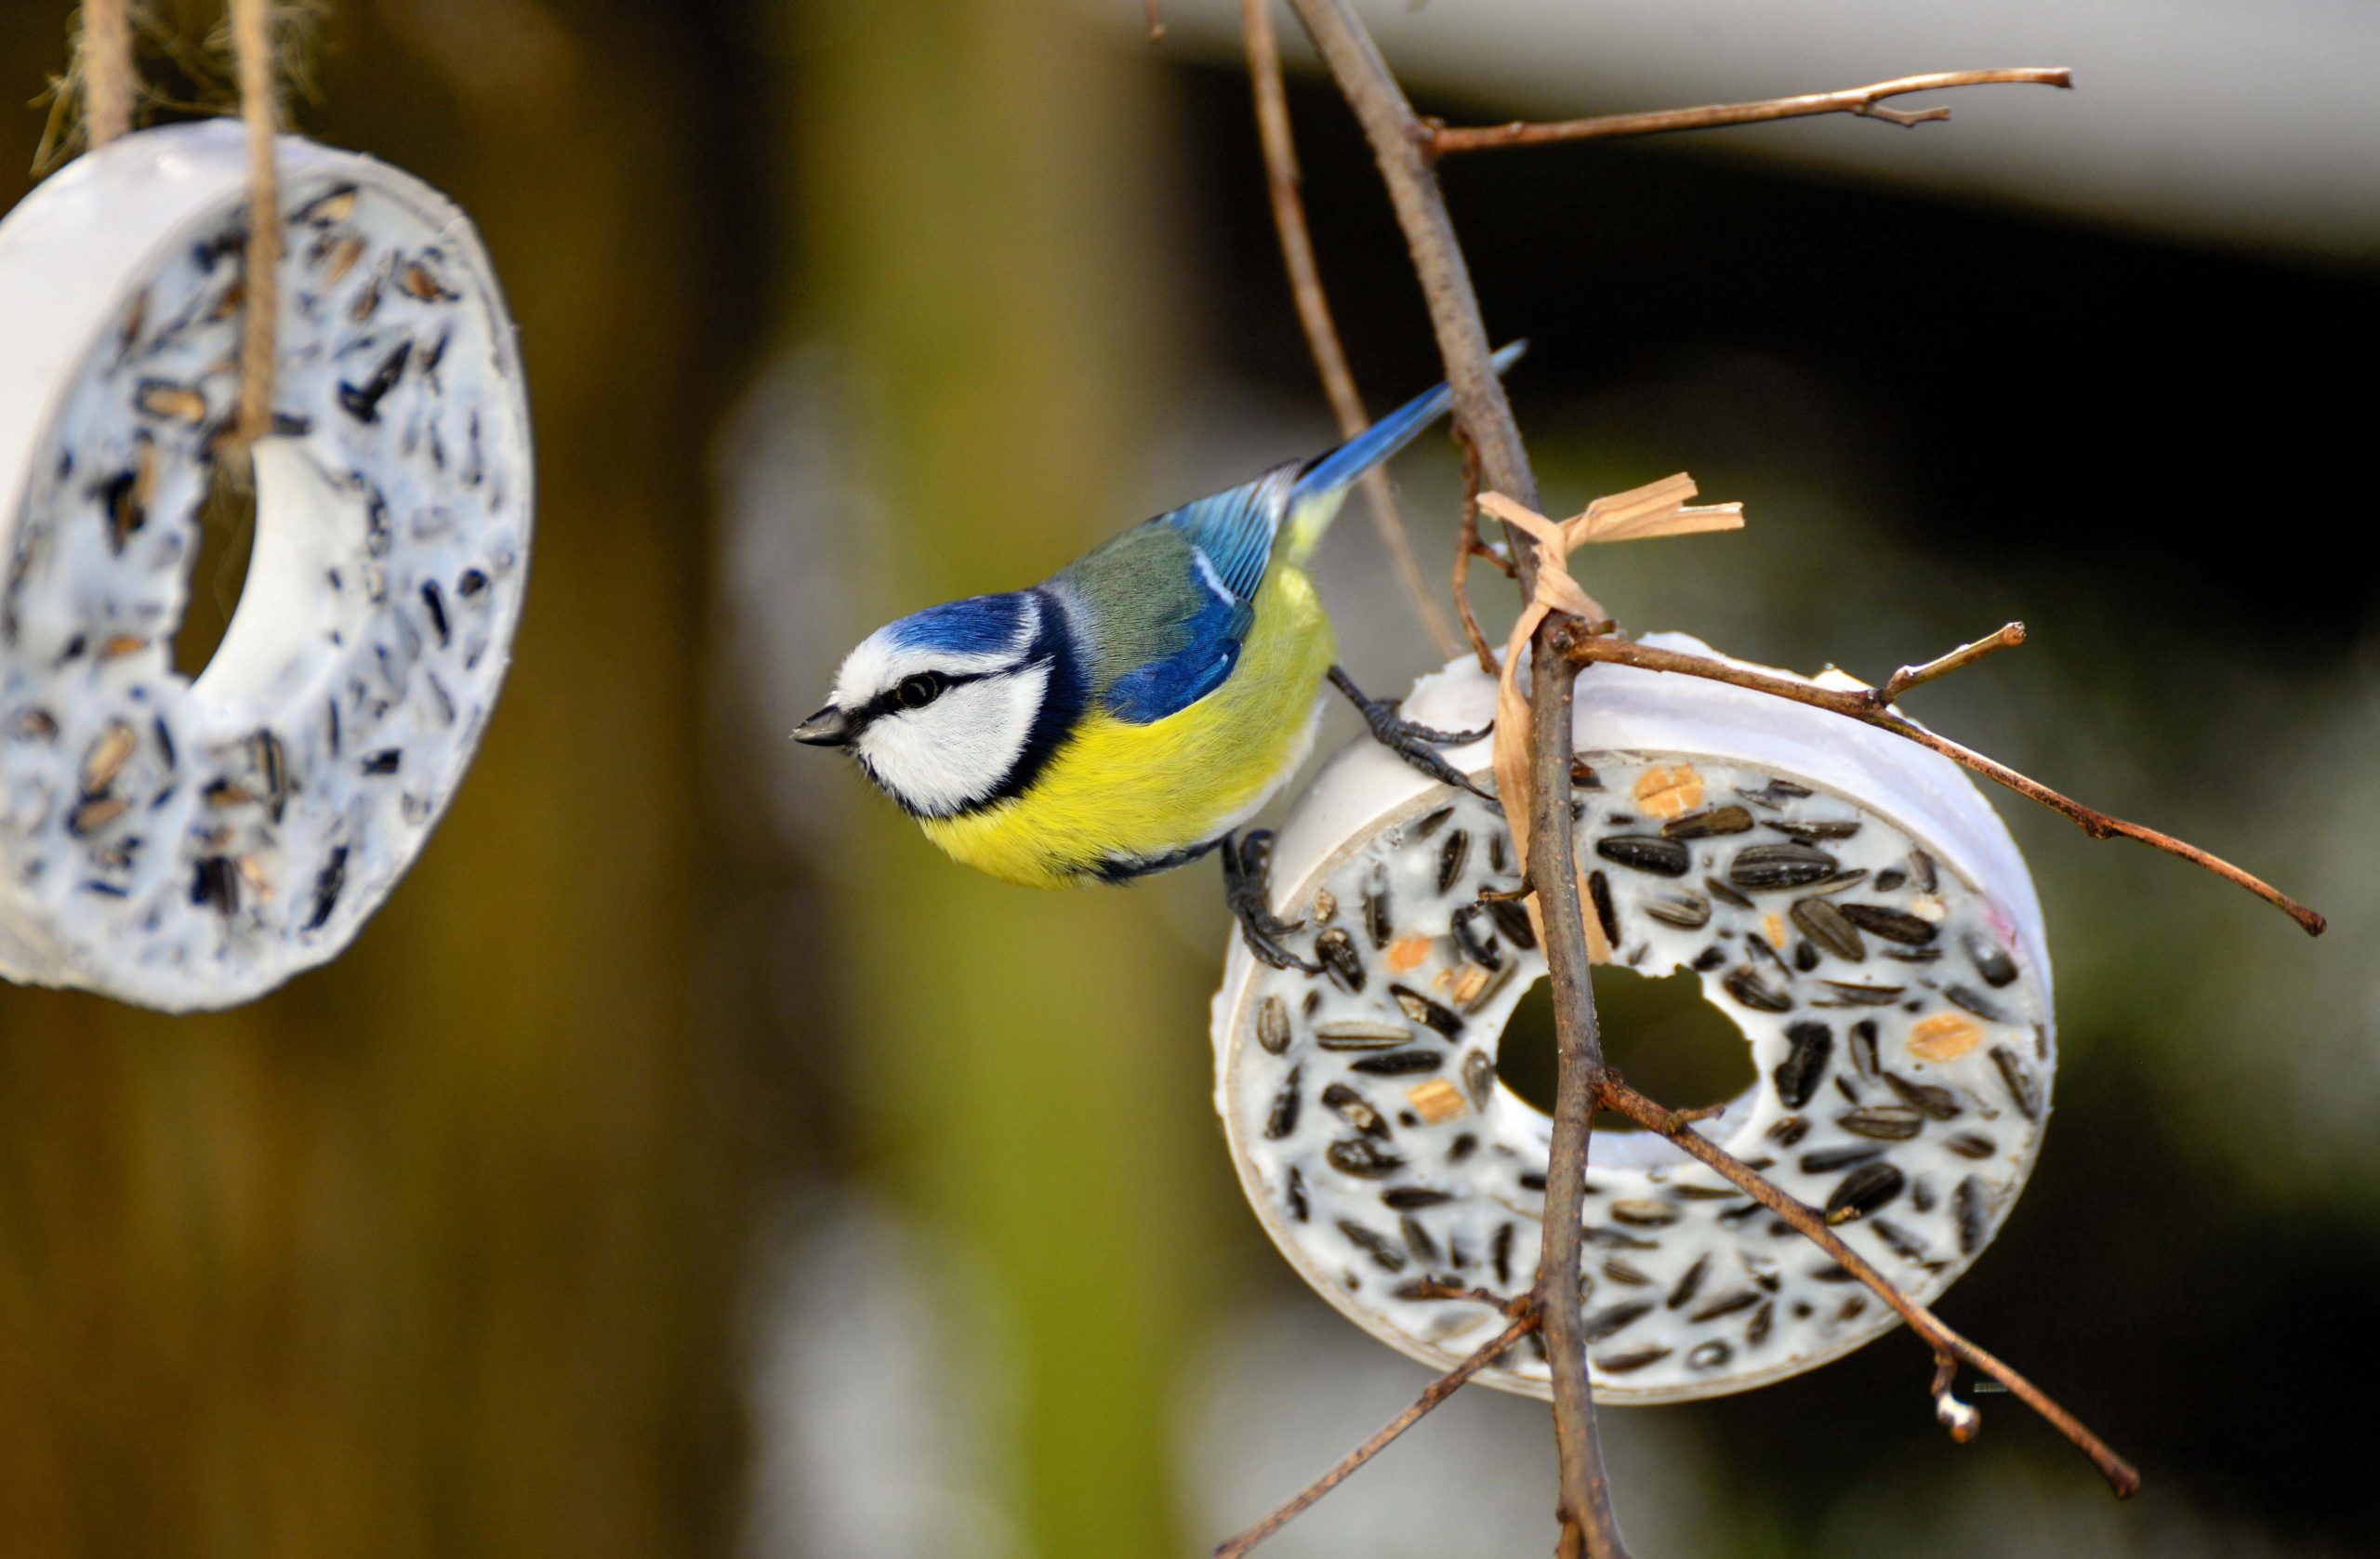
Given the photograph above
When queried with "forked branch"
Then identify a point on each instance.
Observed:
(1868, 708)
(1947, 1345)
(1866, 101)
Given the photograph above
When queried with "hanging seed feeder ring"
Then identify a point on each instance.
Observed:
(1850, 901)
(183, 843)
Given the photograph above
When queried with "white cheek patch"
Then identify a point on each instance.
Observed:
(957, 751)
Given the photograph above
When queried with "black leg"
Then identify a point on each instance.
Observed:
(1247, 862)
(1410, 742)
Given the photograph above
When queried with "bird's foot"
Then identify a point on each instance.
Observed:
(1247, 871)
(1415, 744)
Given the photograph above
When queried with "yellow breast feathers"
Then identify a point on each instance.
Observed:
(1118, 794)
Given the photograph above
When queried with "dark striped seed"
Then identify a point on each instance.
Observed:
(1761, 867)
(1863, 1191)
(1683, 908)
(1972, 1204)
(1645, 852)
(1273, 1025)
(1893, 925)
(1798, 1074)
(1746, 986)
(1707, 821)
(1361, 1157)
(1886, 1123)
(1824, 924)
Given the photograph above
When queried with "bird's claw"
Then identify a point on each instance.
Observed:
(1415, 744)
(1247, 862)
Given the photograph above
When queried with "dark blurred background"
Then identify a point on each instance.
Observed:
(690, 1160)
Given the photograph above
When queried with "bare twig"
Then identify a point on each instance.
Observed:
(1282, 179)
(1156, 20)
(1466, 546)
(1865, 101)
(259, 108)
(1907, 677)
(1434, 1392)
(1946, 1343)
(1860, 705)
(1396, 138)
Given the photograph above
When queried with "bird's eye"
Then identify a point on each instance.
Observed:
(917, 691)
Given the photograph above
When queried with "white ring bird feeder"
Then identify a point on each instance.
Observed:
(1851, 903)
(184, 843)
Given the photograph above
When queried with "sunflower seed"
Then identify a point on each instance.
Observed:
(1746, 986)
(1710, 1356)
(1990, 961)
(1607, 916)
(1893, 925)
(1742, 1298)
(1867, 996)
(1296, 1195)
(1622, 1364)
(1421, 1009)
(1863, 1191)
(1513, 920)
(1283, 1120)
(1981, 1006)
(1972, 1204)
(1797, 1076)
(2023, 1087)
(1354, 1109)
(1613, 1319)
(1645, 852)
(1361, 1157)
(1942, 1104)
(1709, 820)
(1377, 1247)
(1761, 868)
(1824, 924)
(1970, 1145)
(1399, 1064)
(1451, 856)
(1273, 1025)
(1682, 907)
(1863, 1047)
(1359, 1034)
(1377, 924)
(1886, 1123)
(1641, 1213)
(1336, 951)
(1825, 1160)
(1689, 1284)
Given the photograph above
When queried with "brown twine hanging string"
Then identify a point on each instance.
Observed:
(259, 110)
(103, 59)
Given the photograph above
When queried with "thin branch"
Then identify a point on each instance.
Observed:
(1156, 20)
(1909, 676)
(1282, 181)
(1396, 135)
(1946, 1343)
(1434, 1392)
(1865, 101)
(1466, 546)
(1861, 706)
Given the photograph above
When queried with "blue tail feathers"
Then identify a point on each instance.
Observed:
(1383, 438)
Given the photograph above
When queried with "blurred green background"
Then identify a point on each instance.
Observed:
(689, 1160)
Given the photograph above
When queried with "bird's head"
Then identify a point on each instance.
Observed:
(954, 708)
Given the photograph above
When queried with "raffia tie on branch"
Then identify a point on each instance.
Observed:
(1657, 508)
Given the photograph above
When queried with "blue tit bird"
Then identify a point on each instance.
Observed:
(1132, 712)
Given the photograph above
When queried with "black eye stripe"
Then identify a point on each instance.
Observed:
(889, 701)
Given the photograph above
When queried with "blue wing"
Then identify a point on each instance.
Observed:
(1175, 598)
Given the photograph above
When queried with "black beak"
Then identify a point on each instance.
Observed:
(829, 728)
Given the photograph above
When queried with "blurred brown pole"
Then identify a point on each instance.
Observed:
(978, 189)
